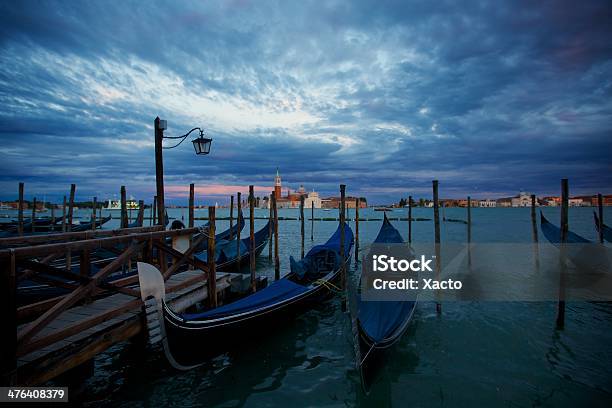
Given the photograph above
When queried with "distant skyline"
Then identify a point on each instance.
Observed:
(489, 98)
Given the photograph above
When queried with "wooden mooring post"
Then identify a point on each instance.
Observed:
(231, 234)
(410, 219)
(191, 204)
(212, 272)
(252, 239)
(437, 239)
(70, 213)
(154, 211)
(124, 214)
(53, 215)
(312, 220)
(302, 231)
(601, 217)
(562, 252)
(93, 213)
(64, 226)
(71, 206)
(239, 201)
(469, 230)
(276, 258)
(33, 213)
(20, 214)
(270, 228)
(534, 233)
(356, 230)
(342, 244)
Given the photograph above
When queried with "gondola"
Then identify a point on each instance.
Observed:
(226, 252)
(86, 226)
(214, 331)
(225, 235)
(380, 324)
(607, 231)
(592, 260)
(553, 233)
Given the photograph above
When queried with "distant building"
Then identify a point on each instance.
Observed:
(504, 202)
(313, 199)
(291, 200)
(350, 202)
(578, 202)
(521, 200)
(487, 203)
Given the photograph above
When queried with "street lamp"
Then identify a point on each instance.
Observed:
(201, 145)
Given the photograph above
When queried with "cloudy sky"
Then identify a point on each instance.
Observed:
(488, 97)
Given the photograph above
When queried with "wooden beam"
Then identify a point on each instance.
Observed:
(342, 240)
(436, 203)
(239, 200)
(124, 216)
(64, 229)
(33, 214)
(356, 230)
(601, 217)
(68, 236)
(302, 231)
(71, 206)
(20, 213)
(562, 252)
(212, 274)
(46, 249)
(231, 234)
(276, 258)
(191, 204)
(52, 367)
(36, 326)
(191, 260)
(410, 219)
(252, 239)
(186, 255)
(93, 213)
(78, 327)
(270, 227)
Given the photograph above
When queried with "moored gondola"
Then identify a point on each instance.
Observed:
(310, 280)
(607, 231)
(553, 233)
(380, 324)
(226, 252)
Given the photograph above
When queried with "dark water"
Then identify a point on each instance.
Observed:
(474, 354)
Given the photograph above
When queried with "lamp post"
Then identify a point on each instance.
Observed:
(201, 146)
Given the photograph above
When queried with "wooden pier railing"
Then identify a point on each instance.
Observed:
(34, 329)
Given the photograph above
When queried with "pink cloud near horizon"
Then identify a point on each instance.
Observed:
(214, 190)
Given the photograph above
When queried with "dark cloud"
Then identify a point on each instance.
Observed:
(488, 97)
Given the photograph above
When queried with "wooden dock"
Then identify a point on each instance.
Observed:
(53, 336)
(43, 364)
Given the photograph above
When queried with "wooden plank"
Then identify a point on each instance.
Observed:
(75, 296)
(69, 236)
(45, 249)
(212, 272)
(53, 367)
(80, 326)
